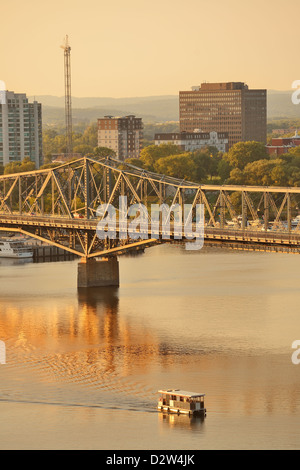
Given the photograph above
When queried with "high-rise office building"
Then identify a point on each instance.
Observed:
(225, 107)
(121, 134)
(20, 129)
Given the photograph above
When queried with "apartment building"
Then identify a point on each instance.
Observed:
(225, 107)
(20, 129)
(122, 134)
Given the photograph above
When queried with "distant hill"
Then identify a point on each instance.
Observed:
(280, 105)
(150, 108)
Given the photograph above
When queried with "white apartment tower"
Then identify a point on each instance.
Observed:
(121, 134)
(20, 129)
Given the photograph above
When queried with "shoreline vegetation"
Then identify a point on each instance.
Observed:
(245, 163)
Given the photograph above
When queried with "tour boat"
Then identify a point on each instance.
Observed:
(180, 401)
(14, 249)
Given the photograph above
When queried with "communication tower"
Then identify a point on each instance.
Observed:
(68, 102)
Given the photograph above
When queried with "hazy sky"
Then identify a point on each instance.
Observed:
(136, 47)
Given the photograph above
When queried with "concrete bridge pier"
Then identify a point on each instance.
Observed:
(98, 273)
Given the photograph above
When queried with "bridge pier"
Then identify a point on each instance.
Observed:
(98, 273)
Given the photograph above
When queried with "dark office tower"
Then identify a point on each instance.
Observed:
(225, 107)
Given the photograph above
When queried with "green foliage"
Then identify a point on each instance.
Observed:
(48, 166)
(103, 152)
(276, 172)
(180, 166)
(84, 141)
(207, 163)
(245, 163)
(151, 154)
(19, 167)
(135, 162)
(83, 149)
(224, 169)
(242, 153)
(274, 124)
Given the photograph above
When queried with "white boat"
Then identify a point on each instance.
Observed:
(180, 401)
(296, 221)
(15, 249)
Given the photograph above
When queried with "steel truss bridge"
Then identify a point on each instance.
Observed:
(46, 205)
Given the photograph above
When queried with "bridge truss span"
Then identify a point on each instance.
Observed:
(59, 206)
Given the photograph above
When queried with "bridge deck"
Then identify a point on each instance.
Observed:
(249, 235)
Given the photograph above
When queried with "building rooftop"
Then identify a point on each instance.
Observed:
(182, 393)
(220, 86)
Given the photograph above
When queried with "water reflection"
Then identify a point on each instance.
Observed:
(14, 262)
(106, 298)
(84, 342)
(222, 325)
(175, 421)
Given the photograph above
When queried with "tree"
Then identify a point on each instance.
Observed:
(206, 162)
(48, 166)
(180, 166)
(261, 173)
(103, 152)
(83, 149)
(90, 135)
(152, 153)
(293, 176)
(135, 162)
(19, 167)
(224, 169)
(242, 153)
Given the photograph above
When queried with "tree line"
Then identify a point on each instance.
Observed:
(246, 163)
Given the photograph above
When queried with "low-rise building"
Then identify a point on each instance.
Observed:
(282, 145)
(197, 140)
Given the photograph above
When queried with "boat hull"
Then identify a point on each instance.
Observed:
(168, 409)
(16, 255)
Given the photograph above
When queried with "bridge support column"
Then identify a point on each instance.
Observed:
(94, 273)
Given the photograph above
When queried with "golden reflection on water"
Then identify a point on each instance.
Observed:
(112, 340)
(173, 420)
(86, 342)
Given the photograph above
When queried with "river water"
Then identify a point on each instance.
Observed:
(83, 368)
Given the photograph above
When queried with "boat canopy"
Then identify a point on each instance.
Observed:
(182, 393)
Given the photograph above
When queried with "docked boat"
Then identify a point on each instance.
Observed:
(180, 401)
(15, 249)
(296, 221)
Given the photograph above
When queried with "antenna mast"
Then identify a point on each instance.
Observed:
(68, 102)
